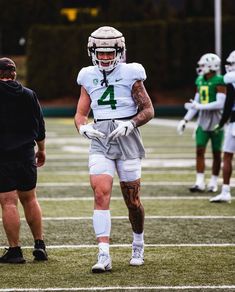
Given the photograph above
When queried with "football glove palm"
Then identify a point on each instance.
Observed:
(89, 132)
(123, 129)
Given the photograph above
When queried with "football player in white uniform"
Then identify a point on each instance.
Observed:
(229, 142)
(115, 93)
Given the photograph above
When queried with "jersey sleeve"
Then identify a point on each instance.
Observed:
(80, 78)
(220, 80)
(139, 72)
(197, 80)
(229, 77)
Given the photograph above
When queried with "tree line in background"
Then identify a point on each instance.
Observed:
(18, 16)
(169, 51)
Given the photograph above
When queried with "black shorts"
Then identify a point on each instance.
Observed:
(18, 175)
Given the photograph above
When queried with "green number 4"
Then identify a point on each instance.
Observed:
(108, 92)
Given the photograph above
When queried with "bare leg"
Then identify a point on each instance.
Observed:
(10, 217)
(227, 167)
(216, 163)
(200, 159)
(131, 192)
(32, 212)
(102, 188)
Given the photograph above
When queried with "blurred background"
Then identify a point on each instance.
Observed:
(48, 41)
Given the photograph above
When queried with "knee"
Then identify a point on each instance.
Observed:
(102, 195)
(200, 152)
(9, 200)
(131, 194)
(28, 200)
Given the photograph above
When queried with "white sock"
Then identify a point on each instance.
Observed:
(226, 188)
(200, 179)
(138, 238)
(103, 247)
(213, 180)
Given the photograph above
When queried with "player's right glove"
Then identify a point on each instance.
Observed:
(181, 126)
(89, 132)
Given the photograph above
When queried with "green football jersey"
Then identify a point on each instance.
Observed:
(208, 119)
(207, 88)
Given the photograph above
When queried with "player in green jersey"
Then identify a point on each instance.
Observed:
(208, 104)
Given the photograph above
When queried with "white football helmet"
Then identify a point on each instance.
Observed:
(208, 63)
(106, 39)
(230, 66)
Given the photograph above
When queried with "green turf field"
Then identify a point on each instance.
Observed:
(190, 243)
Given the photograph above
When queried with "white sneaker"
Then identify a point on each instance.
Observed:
(212, 188)
(223, 197)
(103, 264)
(137, 258)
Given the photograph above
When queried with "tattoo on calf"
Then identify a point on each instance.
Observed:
(131, 191)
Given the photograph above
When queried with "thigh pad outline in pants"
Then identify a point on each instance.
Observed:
(129, 170)
(99, 164)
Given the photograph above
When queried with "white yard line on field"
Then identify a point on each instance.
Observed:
(121, 199)
(115, 288)
(170, 123)
(126, 218)
(150, 183)
(80, 246)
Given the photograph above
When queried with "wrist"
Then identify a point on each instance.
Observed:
(133, 123)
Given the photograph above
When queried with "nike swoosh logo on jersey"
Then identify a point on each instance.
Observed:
(117, 80)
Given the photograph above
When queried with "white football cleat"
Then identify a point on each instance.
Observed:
(197, 188)
(223, 197)
(103, 264)
(137, 258)
(212, 188)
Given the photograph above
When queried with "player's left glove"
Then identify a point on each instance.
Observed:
(123, 129)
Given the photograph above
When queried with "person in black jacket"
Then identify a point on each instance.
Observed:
(229, 142)
(21, 128)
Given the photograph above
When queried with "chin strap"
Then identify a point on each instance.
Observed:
(104, 81)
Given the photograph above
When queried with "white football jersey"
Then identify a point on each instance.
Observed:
(230, 78)
(115, 100)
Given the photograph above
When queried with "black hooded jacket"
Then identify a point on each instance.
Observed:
(21, 121)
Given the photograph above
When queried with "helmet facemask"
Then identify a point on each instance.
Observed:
(208, 63)
(106, 39)
(230, 66)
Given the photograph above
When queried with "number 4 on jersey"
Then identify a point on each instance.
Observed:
(108, 92)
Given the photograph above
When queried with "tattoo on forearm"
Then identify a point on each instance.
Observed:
(143, 101)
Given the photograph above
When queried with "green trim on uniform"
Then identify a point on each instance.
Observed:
(207, 87)
(216, 137)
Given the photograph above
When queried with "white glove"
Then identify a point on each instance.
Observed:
(89, 132)
(196, 105)
(188, 106)
(181, 127)
(123, 129)
(193, 104)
